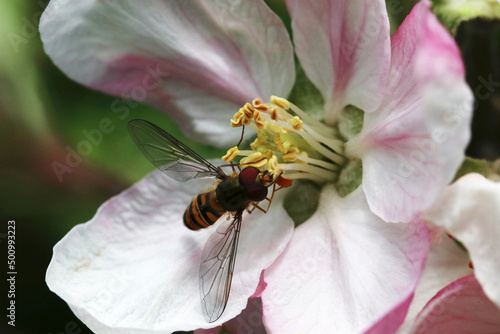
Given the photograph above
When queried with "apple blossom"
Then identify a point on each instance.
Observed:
(396, 112)
(448, 298)
(469, 209)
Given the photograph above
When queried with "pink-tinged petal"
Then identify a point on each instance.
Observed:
(413, 144)
(445, 264)
(134, 267)
(344, 270)
(469, 209)
(461, 307)
(260, 288)
(248, 322)
(200, 61)
(344, 48)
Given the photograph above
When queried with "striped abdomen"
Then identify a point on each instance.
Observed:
(203, 211)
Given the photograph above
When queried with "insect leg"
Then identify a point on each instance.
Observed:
(256, 206)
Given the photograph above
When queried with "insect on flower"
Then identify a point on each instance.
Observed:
(234, 193)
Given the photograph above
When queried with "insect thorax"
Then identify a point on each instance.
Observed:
(231, 195)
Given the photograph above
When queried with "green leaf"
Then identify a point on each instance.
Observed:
(453, 12)
(470, 165)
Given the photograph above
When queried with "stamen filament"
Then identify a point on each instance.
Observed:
(335, 144)
(321, 149)
(308, 119)
(317, 162)
(245, 153)
(295, 176)
(325, 174)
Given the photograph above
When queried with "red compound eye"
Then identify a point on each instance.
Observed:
(248, 175)
(256, 192)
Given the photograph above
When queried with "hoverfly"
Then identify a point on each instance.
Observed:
(233, 193)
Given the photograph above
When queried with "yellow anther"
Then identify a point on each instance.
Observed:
(257, 104)
(304, 154)
(280, 102)
(239, 114)
(274, 113)
(268, 154)
(290, 157)
(273, 168)
(261, 139)
(237, 119)
(297, 123)
(280, 145)
(258, 119)
(255, 145)
(287, 147)
(277, 140)
(262, 135)
(248, 110)
(231, 154)
(292, 149)
(256, 160)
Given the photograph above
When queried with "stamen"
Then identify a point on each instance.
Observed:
(325, 174)
(274, 128)
(258, 119)
(280, 102)
(273, 168)
(231, 154)
(285, 142)
(323, 150)
(248, 110)
(290, 156)
(246, 153)
(308, 119)
(297, 123)
(274, 113)
(255, 159)
(257, 104)
(335, 144)
(318, 162)
(304, 176)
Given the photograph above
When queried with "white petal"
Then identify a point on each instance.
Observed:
(413, 144)
(199, 61)
(345, 50)
(134, 267)
(344, 270)
(469, 209)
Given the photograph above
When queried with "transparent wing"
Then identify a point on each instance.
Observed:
(168, 154)
(216, 269)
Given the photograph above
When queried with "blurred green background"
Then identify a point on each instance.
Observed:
(42, 113)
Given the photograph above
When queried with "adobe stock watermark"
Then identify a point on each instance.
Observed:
(28, 29)
(92, 138)
(117, 285)
(29, 25)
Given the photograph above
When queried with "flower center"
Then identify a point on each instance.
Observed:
(289, 142)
